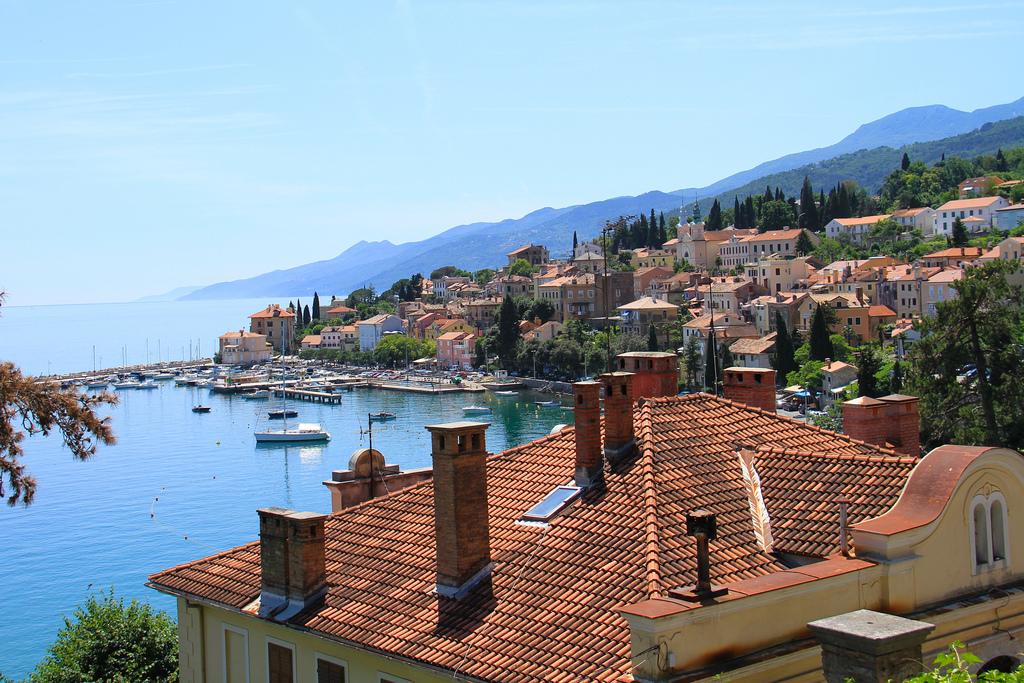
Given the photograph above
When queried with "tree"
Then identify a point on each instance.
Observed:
(316, 306)
(775, 215)
(968, 368)
(820, 344)
(870, 363)
(31, 407)
(896, 381)
(784, 360)
(804, 245)
(905, 164)
(306, 317)
(575, 242)
(523, 268)
(691, 356)
(507, 335)
(960, 238)
(714, 221)
(652, 339)
(809, 209)
(110, 641)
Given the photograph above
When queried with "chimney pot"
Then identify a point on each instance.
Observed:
(618, 412)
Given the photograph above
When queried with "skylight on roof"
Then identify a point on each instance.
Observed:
(553, 503)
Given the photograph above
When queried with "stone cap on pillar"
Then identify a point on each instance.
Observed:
(873, 633)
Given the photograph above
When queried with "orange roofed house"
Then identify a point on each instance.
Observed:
(567, 559)
(278, 324)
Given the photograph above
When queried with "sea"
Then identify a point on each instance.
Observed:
(179, 485)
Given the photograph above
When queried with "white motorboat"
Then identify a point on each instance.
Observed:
(148, 384)
(475, 410)
(303, 432)
(256, 395)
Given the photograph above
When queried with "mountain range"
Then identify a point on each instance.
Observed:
(485, 245)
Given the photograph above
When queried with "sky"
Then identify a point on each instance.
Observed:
(149, 145)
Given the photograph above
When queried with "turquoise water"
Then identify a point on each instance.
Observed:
(179, 486)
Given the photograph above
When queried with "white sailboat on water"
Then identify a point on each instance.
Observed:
(303, 432)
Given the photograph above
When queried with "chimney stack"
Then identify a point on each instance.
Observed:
(902, 423)
(754, 387)
(461, 524)
(618, 413)
(864, 420)
(587, 409)
(293, 570)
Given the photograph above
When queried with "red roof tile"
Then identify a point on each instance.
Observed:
(548, 610)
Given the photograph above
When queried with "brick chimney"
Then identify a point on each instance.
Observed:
(902, 423)
(754, 387)
(460, 506)
(657, 373)
(293, 570)
(618, 413)
(864, 420)
(587, 409)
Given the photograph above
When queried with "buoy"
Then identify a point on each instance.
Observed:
(218, 443)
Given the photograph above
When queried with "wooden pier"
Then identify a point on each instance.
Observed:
(314, 396)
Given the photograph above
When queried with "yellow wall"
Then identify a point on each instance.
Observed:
(361, 667)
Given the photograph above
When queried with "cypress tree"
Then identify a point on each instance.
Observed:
(711, 365)
(905, 164)
(750, 219)
(714, 221)
(808, 207)
(896, 381)
(870, 363)
(768, 196)
(305, 316)
(821, 345)
(662, 229)
(652, 339)
(316, 306)
(298, 311)
(736, 216)
(575, 243)
(1000, 162)
(959, 233)
(804, 245)
(844, 208)
(785, 362)
(780, 196)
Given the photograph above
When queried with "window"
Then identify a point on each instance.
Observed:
(856, 321)
(330, 670)
(280, 662)
(236, 655)
(989, 532)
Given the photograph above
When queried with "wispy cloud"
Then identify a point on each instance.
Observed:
(163, 72)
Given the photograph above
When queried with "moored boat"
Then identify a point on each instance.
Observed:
(200, 409)
(380, 417)
(475, 410)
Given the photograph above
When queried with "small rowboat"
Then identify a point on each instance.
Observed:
(200, 409)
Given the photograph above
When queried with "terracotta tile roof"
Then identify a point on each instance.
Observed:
(754, 346)
(880, 311)
(273, 311)
(548, 610)
(970, 203)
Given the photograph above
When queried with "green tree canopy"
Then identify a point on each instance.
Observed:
(775, 215)
(960, 237)
(523, 268)
(110, 641)
(785, 362)
(448, 271)
(968, 368)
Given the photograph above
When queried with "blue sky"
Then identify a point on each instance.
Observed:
(150, 145)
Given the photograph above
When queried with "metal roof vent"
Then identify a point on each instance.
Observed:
(552, 505)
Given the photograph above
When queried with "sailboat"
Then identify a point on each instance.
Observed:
(303, 432)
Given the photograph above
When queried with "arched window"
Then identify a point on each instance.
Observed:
(990, 533)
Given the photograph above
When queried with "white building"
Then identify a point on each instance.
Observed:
(980, 211)
(372, 330)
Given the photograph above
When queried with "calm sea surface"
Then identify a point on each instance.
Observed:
(178, 485)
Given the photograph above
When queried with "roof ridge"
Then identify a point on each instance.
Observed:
(650, 502)
(880, 457)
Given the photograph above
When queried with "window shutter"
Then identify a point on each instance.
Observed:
(279, 663)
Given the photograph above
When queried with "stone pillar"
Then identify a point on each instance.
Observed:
(870, 647)
(587, 411)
